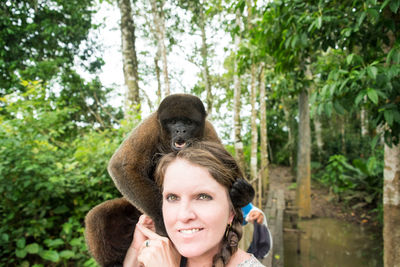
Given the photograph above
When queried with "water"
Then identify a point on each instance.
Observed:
(327, 242)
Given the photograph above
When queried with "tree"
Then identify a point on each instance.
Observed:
(201, 16)
(285, 34)
(204, 55)
(263, 183)
(130, 63)
(391, 202)
(41, 40)
(159, 22)
(236, 101)
(303, 178)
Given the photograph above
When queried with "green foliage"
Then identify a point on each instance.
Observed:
(358, 184)
(40, 39)
(334, 175)
(48, 183)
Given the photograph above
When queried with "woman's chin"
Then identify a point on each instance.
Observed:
(197, 250)
(190, 252)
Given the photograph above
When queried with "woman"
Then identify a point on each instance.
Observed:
(202, 193)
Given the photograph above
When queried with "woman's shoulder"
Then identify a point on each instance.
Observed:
(244, 259)
(251, 262)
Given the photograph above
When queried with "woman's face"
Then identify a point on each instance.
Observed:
(196, 209)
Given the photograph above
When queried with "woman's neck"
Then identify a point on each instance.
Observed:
(201, 261)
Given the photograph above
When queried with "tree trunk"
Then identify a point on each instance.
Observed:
(318, 134)
(391, 206)
(254, 133)
(236, 105)
(263, 133)
(364, 120)
(158, 75)
(130, 64)
(290, 144)
(159, 21)
(342, 123)
(303, 194)
(204, 55)
(253, 100)
(391, 196)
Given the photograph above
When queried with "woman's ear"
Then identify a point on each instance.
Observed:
(231, 216)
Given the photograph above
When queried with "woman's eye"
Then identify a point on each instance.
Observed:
(171, 197)
(204, 197)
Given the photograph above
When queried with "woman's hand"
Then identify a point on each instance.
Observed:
(150, 249)
(138, 239)
(157, 250)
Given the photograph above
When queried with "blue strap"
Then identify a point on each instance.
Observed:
(246, 210)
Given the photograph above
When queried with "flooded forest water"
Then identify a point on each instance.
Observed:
(332, 243)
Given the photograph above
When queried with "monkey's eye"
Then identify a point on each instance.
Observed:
(204, 196)
(171, 197)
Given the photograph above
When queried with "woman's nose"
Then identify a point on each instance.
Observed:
(186, 212)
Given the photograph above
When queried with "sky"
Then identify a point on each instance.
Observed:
(184, 73)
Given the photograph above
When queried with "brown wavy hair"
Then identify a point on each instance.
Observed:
(225, 170)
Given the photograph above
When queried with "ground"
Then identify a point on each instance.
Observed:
(323, 202)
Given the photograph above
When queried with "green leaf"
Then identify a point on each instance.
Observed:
(5, 237)
(374, 141)
(20, 253)
(67, 254)
(394, 5)
(50, 255)
(371, 164)
(328, 108)
(349, 59)
(384, 4)
(75, 242)
(372, 72)
(388, 114)
(67, 227)
(372, 95)
(373, 13)
(61, 209)
(396, 115)
(21, 243)
(338, 107)
(361, 19)
(32, 248)
(359, 98)
(54, 243)
(319, 23)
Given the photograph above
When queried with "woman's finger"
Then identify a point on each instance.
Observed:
(149, 233)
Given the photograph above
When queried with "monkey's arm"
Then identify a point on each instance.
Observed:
(131, 165)
(109, 230)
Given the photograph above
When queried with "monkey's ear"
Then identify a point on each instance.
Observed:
(241, 193)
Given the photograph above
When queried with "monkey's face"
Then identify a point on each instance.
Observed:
(181, 131)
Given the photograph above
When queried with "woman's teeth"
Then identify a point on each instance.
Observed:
(189, 231)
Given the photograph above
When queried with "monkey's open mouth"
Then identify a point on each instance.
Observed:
(180, 144)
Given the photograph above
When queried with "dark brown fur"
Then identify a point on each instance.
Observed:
(110, 225)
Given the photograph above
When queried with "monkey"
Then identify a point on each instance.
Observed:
(179, 120)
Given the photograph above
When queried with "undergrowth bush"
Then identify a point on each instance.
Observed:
(48, 182)
(358, 184)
